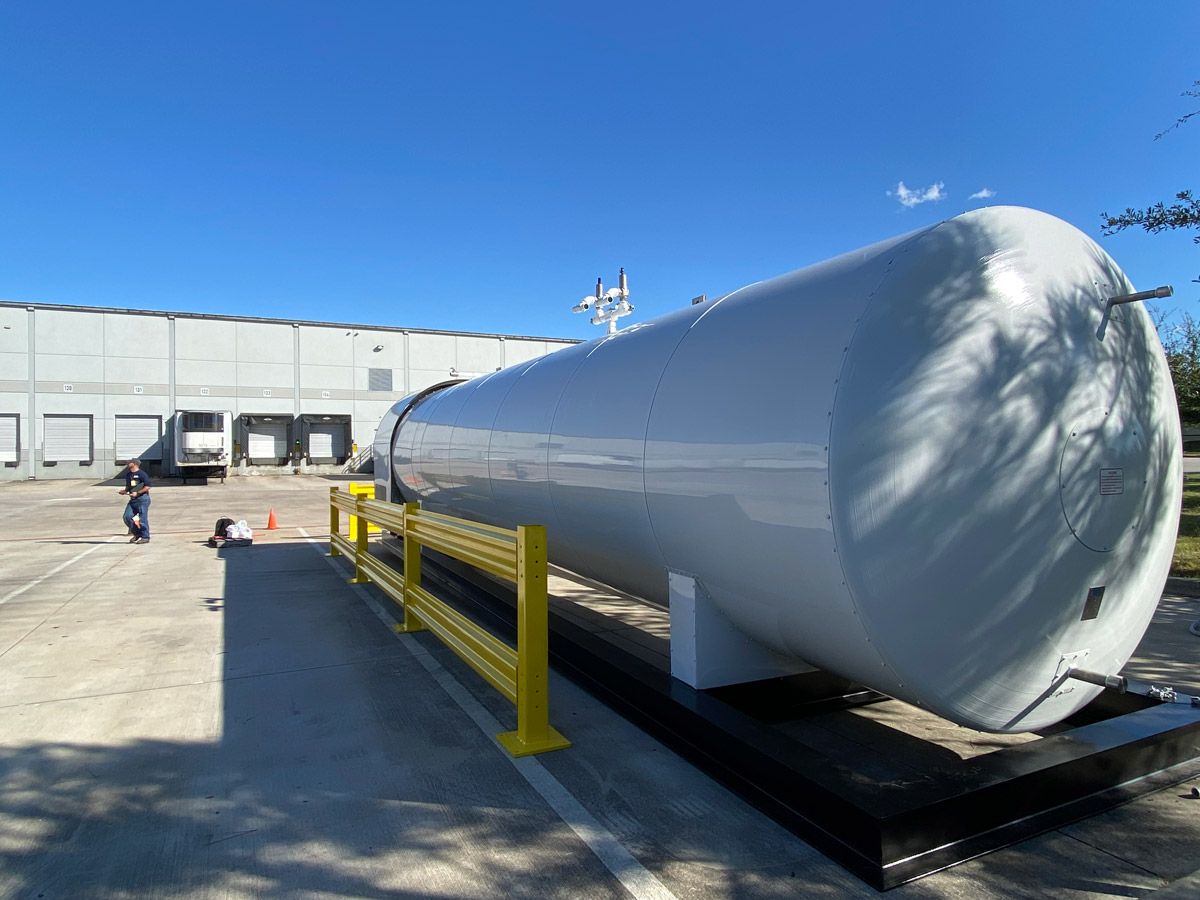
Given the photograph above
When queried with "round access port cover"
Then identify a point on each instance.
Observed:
(1102, 477)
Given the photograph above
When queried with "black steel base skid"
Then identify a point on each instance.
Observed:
(887, 831)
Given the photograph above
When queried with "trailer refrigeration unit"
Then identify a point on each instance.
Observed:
(203, 443)
(945, 466)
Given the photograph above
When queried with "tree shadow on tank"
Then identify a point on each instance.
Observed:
(980, 496)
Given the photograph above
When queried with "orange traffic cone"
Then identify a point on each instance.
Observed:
(271, 523)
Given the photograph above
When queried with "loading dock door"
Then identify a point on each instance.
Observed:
(138, 437)
(67, 439)
(327, 440)
(267, 440)
(9, 450)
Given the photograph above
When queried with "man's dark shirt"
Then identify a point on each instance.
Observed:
(136, 480)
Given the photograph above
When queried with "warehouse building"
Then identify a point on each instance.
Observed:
(83, 389)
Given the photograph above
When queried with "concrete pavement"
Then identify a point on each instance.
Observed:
(177, 721)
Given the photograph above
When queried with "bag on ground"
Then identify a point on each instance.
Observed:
(239, 531)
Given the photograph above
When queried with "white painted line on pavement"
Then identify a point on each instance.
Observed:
(636, 878)
(74, 559)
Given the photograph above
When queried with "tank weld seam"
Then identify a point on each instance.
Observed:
(650, 412)
(435, 401)
(475, 386)
(551, 506)
(417, 398)
(718, 302)
(419, 426)
(896, 252)
(530, 364)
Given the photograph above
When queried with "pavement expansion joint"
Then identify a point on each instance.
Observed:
(66, 602)
(1116, 856)
(206, 681)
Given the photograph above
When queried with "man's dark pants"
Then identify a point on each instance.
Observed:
(140, 507)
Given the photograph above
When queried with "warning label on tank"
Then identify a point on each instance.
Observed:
(1112, 481)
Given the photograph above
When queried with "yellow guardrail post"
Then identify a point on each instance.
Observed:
(358, 527)
(362, 489)
(335, 522)
(534, 733)
(412, 574)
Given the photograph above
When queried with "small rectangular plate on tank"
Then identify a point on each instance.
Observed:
(1091, 606)
(1112, 481)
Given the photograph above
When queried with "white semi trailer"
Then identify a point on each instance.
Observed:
(944, 465)
(203, 443)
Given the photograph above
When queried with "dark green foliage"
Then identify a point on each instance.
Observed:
(1159, 217)
(1181, 342)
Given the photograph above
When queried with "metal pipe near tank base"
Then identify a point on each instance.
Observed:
(1123, 685)
(1115, 682)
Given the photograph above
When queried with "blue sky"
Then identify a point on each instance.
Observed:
(475, 166)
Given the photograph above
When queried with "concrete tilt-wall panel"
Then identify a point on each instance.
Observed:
(105, 363)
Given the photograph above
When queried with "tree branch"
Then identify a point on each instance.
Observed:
(1159, 217)
(1194, 92)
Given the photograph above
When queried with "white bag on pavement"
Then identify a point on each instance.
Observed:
(239, 531)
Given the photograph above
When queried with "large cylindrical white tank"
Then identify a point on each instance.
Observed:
(916, 465)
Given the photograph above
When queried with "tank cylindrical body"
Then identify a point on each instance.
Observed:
(917, 465)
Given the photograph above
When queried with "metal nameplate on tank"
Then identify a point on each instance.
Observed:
(1112, 481)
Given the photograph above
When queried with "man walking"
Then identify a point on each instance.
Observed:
(137, 488)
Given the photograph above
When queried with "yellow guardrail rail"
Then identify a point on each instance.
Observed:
(518, 555)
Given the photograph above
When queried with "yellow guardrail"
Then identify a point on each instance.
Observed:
(518, 555)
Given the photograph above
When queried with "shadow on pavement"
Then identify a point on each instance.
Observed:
(341, 768)
(50, 541)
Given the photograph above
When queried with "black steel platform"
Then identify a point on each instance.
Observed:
(888, 826)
